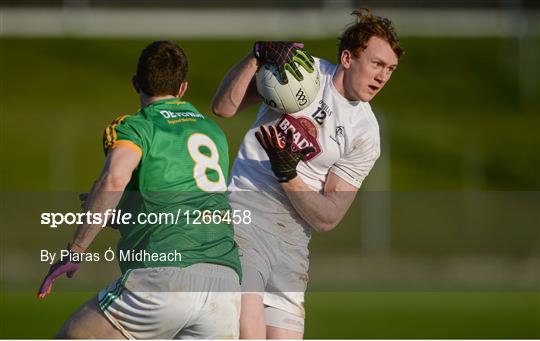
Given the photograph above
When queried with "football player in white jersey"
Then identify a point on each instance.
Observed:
(299, 172)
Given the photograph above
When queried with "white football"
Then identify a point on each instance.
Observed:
(291, 97)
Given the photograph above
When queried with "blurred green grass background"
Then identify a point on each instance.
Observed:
(458, 115)
(352, 315)
(451, 100)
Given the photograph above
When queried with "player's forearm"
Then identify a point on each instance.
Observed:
(105, 195)
(236, 90)
(322, 211)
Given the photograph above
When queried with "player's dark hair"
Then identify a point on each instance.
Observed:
(162, 67)
(356, 36)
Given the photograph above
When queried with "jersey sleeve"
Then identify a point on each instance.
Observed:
(127, 132)
(354, 166)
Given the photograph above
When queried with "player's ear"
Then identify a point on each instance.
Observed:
(135, 84)
(183, 88)
(345, 59)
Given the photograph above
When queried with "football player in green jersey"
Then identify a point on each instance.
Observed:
(180, 275)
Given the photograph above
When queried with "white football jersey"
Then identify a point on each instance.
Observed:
(345, 136)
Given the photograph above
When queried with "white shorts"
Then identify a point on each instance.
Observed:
(201, 301)
(276, 270)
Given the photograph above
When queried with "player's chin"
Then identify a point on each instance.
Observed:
(367, 96)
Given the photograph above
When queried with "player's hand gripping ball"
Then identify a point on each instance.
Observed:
(281, 54)
(284, 157)
(287, 79)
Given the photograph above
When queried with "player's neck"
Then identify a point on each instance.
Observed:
(147, 100)
(339, 84)
(338, 81)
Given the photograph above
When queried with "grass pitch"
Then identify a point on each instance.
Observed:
(372, 315)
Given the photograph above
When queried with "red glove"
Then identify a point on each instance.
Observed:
(283, 157)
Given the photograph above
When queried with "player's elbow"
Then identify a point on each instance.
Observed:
(325, 225)
(328, 221)
(222, 110)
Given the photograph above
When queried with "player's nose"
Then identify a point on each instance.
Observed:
(382, 76)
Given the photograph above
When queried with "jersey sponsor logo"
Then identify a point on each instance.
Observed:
(181, 120)
(323, 111)
(304, 133)
(182, 114)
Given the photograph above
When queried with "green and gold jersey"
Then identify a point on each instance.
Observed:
(180, 180)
